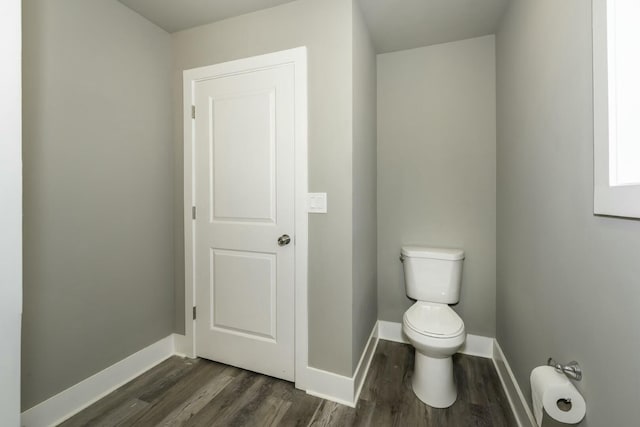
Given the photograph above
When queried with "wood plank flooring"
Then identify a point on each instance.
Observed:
(185, 392)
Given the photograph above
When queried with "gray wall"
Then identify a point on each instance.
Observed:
(568, 282)
(10, 213)
(325, 27)
(97, 190)
(436, 169)
(365, 299)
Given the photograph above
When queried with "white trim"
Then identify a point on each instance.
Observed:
(477, 345)
(298, 57)
(301, 240)
(323, 384)
(391, 331)
(340, 388)
(11, 274)
(181, 346)
(360, 375)
(474, 345)
(615, 200)
(74, 399)
(518, 403)
(327, 385)
(188, 343)
(62, 406)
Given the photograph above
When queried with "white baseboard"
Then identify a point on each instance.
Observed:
(182, 346)
(327, 385)
(518, 403)
(360, 375)
(330, 386)
(391, 331)
(475, 345)
(74, 399)
(340, 388)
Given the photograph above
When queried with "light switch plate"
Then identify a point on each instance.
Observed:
(317, 202)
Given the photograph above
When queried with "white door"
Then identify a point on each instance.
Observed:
(244, 191)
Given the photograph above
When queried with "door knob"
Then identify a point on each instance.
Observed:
(284, 240)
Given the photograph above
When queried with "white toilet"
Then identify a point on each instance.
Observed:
(432, 276)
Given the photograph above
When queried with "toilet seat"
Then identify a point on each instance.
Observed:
(434, 320)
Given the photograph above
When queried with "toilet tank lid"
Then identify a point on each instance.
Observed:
(449, 254)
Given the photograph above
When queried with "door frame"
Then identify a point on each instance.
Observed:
(297, 57)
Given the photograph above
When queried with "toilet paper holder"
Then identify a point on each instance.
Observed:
(571, 369)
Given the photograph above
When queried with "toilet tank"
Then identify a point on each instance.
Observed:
(432, 274)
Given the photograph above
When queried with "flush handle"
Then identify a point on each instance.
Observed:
(284, 240)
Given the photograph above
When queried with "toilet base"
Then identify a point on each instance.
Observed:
(433, 381)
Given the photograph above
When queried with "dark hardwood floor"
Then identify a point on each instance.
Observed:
(185, 392)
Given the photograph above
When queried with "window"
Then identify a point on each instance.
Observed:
(616, 77)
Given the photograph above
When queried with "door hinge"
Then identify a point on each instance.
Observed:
(193, 111)
(193, 212)
(194, 313)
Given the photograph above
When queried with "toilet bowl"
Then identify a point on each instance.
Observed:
(436, 332)
(433, 278)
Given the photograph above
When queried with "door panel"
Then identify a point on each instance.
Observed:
(250, 166)
(246, 279)
(244, 189)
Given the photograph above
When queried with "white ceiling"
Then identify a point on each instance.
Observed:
(405, 24)
(176, 15)
(393, 24)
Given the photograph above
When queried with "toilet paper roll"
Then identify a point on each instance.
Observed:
(548, 388)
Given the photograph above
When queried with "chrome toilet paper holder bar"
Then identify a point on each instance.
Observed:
(571, 369)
